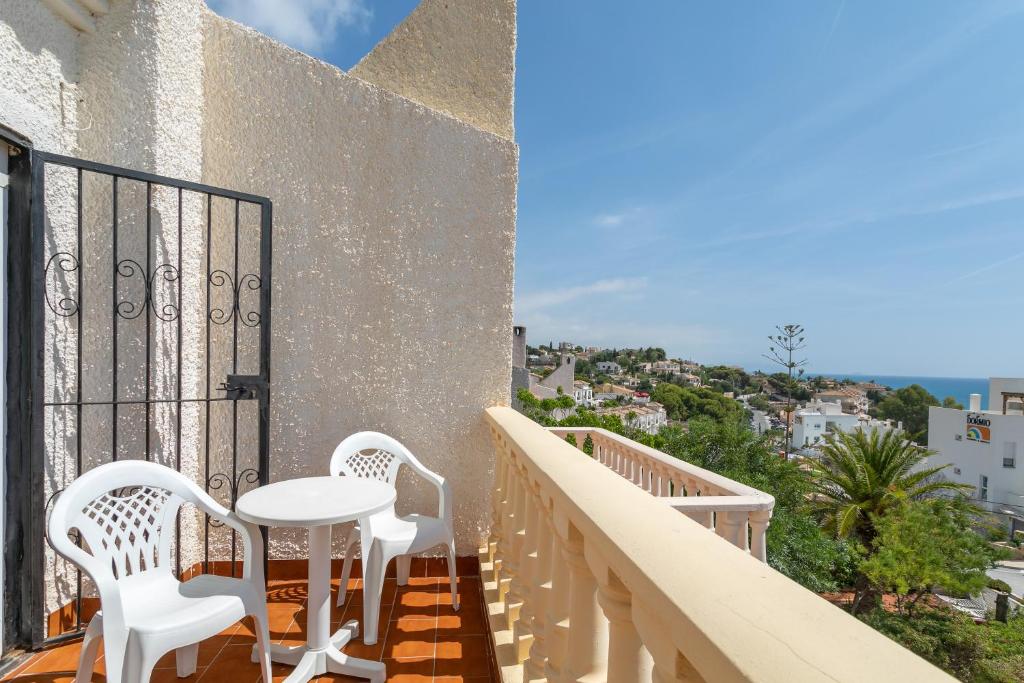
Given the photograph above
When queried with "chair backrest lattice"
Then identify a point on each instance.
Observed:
(372, 455)
(371, 464)
(123, 528)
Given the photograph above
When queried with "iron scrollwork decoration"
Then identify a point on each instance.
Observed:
(219, 480)
(166, 272)
(65, 262)
(250, 281)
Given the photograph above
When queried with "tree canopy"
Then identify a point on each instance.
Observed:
(683, 403)
(861, 474)
(909, 405)
(922, 544)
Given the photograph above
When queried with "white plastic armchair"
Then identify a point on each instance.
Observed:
(124, 513)
(385, 536)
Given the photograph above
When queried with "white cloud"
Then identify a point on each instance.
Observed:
(535, 301)
(307, 25)
(610, 220)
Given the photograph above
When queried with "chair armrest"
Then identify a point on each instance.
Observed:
(444, 493)
(252, 539)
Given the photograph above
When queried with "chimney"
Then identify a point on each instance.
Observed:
(518, 346)
(975, 406)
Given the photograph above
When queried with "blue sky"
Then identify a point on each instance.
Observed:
(693, 173)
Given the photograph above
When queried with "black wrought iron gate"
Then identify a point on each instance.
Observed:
(148, 336)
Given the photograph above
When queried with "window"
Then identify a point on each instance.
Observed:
(983, 488)
(1009, 454)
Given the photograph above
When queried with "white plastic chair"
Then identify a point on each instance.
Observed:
(373, 455)
(124, 513)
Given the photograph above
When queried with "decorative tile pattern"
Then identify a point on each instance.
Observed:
(421, 638)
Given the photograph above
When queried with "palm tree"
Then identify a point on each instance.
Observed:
(861, 474)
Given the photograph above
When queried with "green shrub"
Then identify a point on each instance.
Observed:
(946, 638)
(999, 585)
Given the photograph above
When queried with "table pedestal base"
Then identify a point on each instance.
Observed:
(310, 663)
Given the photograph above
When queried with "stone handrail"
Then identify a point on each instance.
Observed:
(735, 511)
(589, 578)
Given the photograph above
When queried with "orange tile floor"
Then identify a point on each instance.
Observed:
(421, 637)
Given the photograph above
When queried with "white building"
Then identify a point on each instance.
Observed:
(613, 392)
(669, 366)
(609, 367)
(811, 422)
(583, 393)
(853, 400)
(648, 418)
(984, 448)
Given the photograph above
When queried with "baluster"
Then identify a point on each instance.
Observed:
(727, 525)
(670, 666)
(588, 628)
(628, 659)
(533, 670)
(504, 512)
(556, 615)
(497, 495)
(759, 521)
(522, 629)
(508, 589)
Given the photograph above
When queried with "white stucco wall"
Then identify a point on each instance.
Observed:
(393, 249)
(38, 73)
(393, 239)
(453, 56)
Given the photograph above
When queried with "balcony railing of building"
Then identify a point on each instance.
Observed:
(736, 512)
(589, 577)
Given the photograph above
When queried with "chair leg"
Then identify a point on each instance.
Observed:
(139, 662)
(374, 567)
(262, 624)
(452, 575)
(90, 649)
(185, 659)
(403, 564)
(115, 655)
(346, 567)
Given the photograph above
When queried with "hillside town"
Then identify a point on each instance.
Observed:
(647, 390)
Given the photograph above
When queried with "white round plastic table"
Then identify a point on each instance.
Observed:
(315, 503)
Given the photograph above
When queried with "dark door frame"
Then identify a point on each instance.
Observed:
(20, 479)
(25, 518)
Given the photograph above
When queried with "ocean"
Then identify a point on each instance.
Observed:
(959, 388)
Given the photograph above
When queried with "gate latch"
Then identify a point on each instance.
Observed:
(243, 387)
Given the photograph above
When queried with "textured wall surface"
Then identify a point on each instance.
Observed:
(38, 72)
(455, 56)
(394, 230)
(393, 255)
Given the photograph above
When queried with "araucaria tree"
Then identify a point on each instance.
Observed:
(789, 341)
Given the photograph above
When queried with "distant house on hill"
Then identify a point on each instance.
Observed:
(612, 392)
(648, 418)
(609, 367)
(583, 393)
(854, 401)
(665, 366)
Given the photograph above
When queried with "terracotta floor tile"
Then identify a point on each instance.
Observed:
(463, 656)
(412, 648)
(234, 663)
(409, 670)
(420, 637)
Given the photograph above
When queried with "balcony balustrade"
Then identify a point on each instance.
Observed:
(736, 512)
(592, 578)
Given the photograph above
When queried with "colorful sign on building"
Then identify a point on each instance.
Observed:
(979, 428)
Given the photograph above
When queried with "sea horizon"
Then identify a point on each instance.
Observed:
(960, 388)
